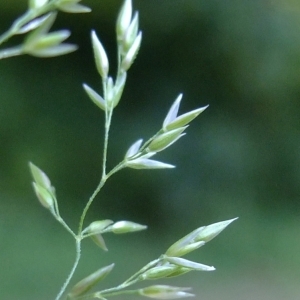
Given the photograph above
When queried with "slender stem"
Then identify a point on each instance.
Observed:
(79, 237)
(108, 118)
(113, 291)
(119, 60)
(133, 278)
(65, 225)
(103, 177)
(55, 213)
(55, 204)
(102, 182)
(106, 130)
(118, 290)
(97, 190)
(78, 255)
(99, 294)
(130, 281)
(128, 292)
(108, 115)
(117, 168)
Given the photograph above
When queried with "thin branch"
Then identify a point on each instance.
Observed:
(78, 255)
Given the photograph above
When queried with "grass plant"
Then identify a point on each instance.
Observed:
(35, 25)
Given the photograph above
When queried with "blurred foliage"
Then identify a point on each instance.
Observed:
(240, 158)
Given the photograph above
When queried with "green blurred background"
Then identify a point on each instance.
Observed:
(240, 158)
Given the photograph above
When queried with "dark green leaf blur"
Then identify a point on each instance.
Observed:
(240, 158)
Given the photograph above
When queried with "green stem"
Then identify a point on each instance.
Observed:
(106, 130)
(128, 292)
(119, 290)
(108, 115)
(108, 118)
(65, 225)
(55, 213)
(99, 294)
(97, 190)
(78, 255)
(117, 168)
(131, 280)
(101, 184)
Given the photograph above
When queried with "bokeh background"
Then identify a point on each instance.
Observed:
(240, 158)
